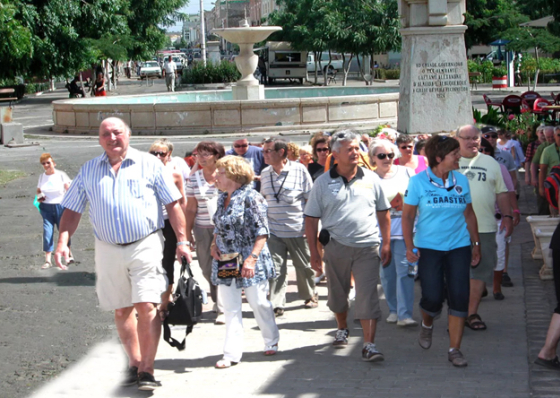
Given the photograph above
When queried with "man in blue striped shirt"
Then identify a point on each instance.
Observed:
(126, 190)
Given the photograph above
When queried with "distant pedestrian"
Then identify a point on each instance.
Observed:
(170, 73)
(418, 163)
(353, 210)
(99, 86)
(51, 189)
(126, 189)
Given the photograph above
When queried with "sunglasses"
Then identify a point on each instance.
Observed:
(241, 146)
(406, 147)
(382, 156)
(483, 149)
(45, 163)
(267, 151)
(490, 136)
(157, 153)
(322, 150)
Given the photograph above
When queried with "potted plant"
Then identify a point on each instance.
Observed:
(499, 78)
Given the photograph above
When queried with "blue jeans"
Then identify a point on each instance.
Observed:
(444, 272)
(51, 213)
(397, 285)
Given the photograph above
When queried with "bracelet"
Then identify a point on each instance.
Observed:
(475, 243)
(508, 216)
(516, 211)
(182, 243)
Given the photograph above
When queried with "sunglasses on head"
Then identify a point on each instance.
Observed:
(406, 147)
(241, 146)
(160, 154)
(382, 156)
(322, 149)
(494, 135)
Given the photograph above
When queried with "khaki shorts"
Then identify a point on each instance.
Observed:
(130, 274)
(488, 259)
(341, 262)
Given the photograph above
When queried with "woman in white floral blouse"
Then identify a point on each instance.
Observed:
(240, 234)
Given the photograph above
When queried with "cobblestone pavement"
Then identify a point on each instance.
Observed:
(500, 358)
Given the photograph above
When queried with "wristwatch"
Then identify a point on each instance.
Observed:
(254, 256)
(475, 243)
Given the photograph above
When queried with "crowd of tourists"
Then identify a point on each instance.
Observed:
(352, 210)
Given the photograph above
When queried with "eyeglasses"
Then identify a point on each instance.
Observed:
(490, 136)
(241, 146)
(45, 163)
(205, 155)
(321, 150)
(406, 147)
(157, 153)
(267, 151)
(382, 156)
(484, 150)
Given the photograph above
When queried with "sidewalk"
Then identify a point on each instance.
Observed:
(306, 366)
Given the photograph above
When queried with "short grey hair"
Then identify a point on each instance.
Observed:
(379, 143)
(549, 128)
(343, 136)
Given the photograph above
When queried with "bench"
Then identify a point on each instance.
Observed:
(9, 92)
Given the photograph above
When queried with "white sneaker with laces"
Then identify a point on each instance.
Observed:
(407, 322)
(392, 318)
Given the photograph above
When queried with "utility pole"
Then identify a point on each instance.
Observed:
(202, 34)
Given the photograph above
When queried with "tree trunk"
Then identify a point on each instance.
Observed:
(346, 68)
(316, 72)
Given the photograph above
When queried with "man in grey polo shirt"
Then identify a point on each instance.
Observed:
(286, 186)
(350, 203)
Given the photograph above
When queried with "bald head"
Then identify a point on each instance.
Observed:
(114, 137)
(469, 138)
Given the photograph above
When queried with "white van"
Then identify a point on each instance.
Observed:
(282, 62)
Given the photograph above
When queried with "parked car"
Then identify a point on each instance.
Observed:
(336, 62)
(150, 69)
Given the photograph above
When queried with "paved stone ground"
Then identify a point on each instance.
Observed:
(500, 358)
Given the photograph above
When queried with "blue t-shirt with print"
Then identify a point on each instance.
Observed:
(441, 223)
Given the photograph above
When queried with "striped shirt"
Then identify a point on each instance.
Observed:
(292, 187)
(193, 191)
(126, 206)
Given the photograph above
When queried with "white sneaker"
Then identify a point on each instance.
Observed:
(220, 319)
(319, 278)
(407, 322)
(392, 318)
(352, 294)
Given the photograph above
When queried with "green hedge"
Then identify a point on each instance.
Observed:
(389, 74)
(32, 88)
(224, 72)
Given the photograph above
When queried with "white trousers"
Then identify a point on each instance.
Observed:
(501, 242)
(230, 297)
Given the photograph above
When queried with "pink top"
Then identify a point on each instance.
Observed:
(421, 164)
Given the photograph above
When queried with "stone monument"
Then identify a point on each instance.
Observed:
(434, 81)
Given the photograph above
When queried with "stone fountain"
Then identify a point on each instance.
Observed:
(245, 36)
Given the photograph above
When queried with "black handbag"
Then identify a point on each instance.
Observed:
(186, 307)
(230, 267)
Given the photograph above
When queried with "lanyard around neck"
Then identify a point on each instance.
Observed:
(438, 185)
(277, 194)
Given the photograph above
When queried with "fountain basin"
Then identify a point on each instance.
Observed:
(196, 112)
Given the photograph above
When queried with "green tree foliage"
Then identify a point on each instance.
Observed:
(46, 38)
(488, 19)
(16, 45)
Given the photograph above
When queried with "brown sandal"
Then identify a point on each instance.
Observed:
(474, 322)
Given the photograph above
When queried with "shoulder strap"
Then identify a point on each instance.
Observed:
(199, 182)
(170, 340)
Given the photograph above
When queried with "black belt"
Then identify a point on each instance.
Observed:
(136, 241)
